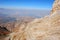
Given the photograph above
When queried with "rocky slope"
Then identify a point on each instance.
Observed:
(9, 24)
(46, 28)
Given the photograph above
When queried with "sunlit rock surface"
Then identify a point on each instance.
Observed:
(56, 6)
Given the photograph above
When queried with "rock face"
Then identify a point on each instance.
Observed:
(46, 28)
(4, 33)
(56, 6)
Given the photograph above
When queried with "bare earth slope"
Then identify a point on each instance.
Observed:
(8, 24)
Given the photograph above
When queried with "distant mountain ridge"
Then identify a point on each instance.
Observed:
(25, 12)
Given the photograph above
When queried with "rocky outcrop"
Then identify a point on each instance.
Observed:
(4, 33)
(46, 28)
(56, 6)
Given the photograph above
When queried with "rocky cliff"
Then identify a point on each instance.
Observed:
(56, 6)
(46, 28)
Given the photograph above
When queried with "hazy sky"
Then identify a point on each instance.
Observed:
(27, 4)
